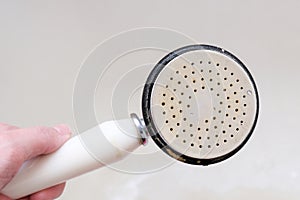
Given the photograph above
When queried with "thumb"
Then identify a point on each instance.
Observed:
(31, 142)
(19, 145)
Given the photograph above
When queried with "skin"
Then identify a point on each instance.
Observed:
(19, 145)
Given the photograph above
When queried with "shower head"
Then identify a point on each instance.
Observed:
(200, 104)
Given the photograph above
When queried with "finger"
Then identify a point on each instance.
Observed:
(23, 144)
(28, 143)
(7, 127)
(49, 193)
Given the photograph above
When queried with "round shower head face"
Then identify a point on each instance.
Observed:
(200, 104)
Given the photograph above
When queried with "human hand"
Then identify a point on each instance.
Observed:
(19, 145)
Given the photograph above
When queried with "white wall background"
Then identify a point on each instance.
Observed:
(42, 44)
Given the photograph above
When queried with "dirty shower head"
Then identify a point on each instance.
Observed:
(200, 104)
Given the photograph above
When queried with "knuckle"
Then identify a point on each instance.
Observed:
(46, 131)
(46, 137)
(42, 129)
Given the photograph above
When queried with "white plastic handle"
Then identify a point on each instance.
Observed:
(104, 144)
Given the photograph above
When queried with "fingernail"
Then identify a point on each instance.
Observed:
(63, 130)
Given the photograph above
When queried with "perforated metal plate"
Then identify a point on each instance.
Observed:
(200, 104)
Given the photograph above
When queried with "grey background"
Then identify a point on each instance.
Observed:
(44, 42)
